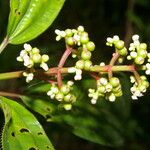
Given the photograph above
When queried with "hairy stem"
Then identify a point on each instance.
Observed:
(3, 44)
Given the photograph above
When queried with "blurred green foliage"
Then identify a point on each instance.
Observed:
(124, 123)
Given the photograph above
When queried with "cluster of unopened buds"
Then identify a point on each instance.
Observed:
(63, 94)
(138, 89)
(31, 57)
(109, 87)
(79, 40)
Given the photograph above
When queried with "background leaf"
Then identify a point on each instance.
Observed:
(29, 18)
(22, 131)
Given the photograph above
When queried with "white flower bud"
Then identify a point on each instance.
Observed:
(133, 54)
(81, 28)
(19, 59)
(116, 38)
(103, 81)
(93, 101)
(27, 47)
(58, 32)
(134, 97)
(29, 77)
(71, 70)
(44, 66)
(135, 37)
(112, 97)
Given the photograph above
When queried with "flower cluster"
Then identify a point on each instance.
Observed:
(138, 89)
(63, 94)
(118, 44)
(78, 39)
(108, 89)
(138, 51)
(31, 57)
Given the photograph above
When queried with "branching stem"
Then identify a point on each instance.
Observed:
(61, 64)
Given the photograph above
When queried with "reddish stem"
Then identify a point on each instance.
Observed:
(61, 64)
(111, 64)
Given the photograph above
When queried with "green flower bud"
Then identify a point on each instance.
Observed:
(67, 98)
(118, 94)
(123, 52)
(45, 58)
(80, 29)
(65, 89)
(142, 53)
(84, 39)
(59, 96)
(139, 60)
(35, 50)
(36, 58)
(143, 46)
(67, 106)
(86, 55)
(80, 64)
(87, 64)
(68, 32)
(101, 89)
(119, 44)
(90, 46)
(145, 83)
(117, 89)
(114, 82)
(70, 41)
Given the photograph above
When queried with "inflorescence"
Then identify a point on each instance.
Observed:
(81, 46)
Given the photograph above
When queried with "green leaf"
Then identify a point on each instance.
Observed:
(41, 105)
(22, 131)
(29, 18)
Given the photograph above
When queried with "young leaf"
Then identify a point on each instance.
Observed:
(29, 18)
(22, 131)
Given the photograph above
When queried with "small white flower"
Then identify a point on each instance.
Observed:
(58, 38)
(81, 28)
(19, 59)
(132, 79)
(102, 64)
(77, 77)
(29, 77)
(109, 40)
(93, 101)
(116, 38)
(134, 97)
(63, 33)
(103, 81)
(44, 66)
(147, 72)
(74, 55)
(112, 97)
(71, 70)
(27, 47)
(70, 83)
(58, 32)
(133, 54)
(76, 37)
(23, 53)
(135, 37)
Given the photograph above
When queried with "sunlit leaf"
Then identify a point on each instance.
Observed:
(29, 18)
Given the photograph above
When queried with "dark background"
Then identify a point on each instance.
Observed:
(101, 18)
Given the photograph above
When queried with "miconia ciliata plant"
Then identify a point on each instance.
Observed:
(60, 95)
